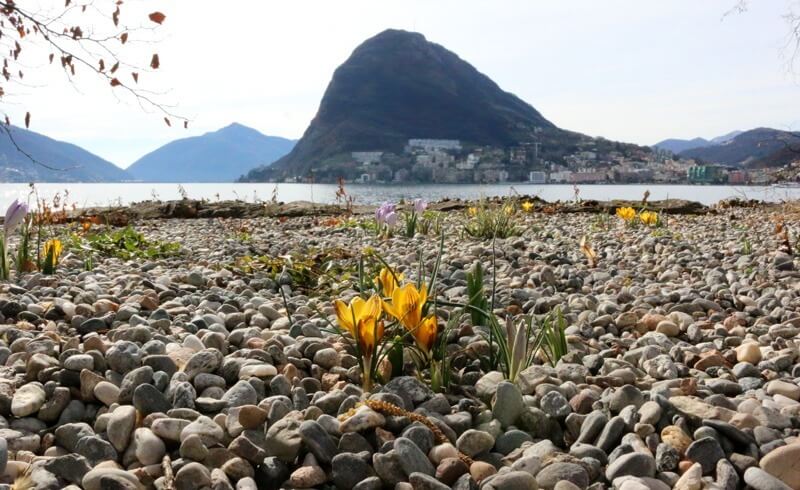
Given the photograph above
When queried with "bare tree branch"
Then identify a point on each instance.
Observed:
(72, 37)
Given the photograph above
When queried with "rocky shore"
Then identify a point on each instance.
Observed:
(212, 369)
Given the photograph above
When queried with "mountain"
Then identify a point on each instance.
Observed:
(70, 163)
(677, 145)
(396, 86)
(726, 137)
(756, 148)
(219, 156)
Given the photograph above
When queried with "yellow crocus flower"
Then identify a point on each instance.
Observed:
(648, 217)
(626, 214)
(406, 306)
(527, 206)
(350, 316)
(387, 281)
(425, 333)
(54, 247)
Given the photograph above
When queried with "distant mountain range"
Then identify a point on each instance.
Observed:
(397, 86)
(219, 156)
(756, 148)
(70, 163)
(678, 145)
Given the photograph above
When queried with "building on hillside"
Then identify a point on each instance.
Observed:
(738, 177)
(433, 144)
(367, 157)
(588, 177)
(537, 177)
(560, 177)
(706, 174)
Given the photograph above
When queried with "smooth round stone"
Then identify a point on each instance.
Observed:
(784, 463)
(3, 455)
(677, 438)
(192, 476)
(79, 362)
(251, 416)
(106, 392)
(668, 328)
(193, 448)
(257, 371)
(511, 479)
(442, 451)
(149, 448)
(327, 358)
(27, 400)
(450, 469)
(508, 404)
(207, 429)
(473, 442)
(92, 479)
(549, 476)
(307, 477)
(169, 428)
(632, 464)
(749, 352)
(785, 388)
(511, 440)
(479, 470)
(120, 425)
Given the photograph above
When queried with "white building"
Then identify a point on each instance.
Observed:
(537, 177)
(433, 144)
(367, 157)
(561, 177)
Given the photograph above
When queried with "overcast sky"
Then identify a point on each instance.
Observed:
(630, 70)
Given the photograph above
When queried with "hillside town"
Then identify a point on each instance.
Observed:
(451, 161)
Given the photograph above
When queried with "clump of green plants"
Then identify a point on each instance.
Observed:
(124, 243)
(521, 341)
(478, 303)
(486, 221)
(309, 270)
(747, 246)
(431, 223)
(412, 217)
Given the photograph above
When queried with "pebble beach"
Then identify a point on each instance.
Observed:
(213, 369)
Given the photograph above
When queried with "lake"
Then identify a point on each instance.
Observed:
(83, 195)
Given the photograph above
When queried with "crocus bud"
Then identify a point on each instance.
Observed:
(420, 205)
(15, 213)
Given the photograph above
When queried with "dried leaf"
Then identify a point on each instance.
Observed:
(588, 251)
(123, 37)
(135, 77)
(185, 124)
(115, 16)
(102, 65)
(115, 82)
(155, 63)
(115, 67)
(51, 57)
(166, 120)
(8, 121)
(157, 17)
(27, 119)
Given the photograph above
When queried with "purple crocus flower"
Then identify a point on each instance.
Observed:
(420, 205)
(383, 211)
(15, 213)
(391, 219)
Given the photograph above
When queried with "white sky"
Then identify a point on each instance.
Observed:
(630, 70)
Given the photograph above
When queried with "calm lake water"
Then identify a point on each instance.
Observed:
(84, 195)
